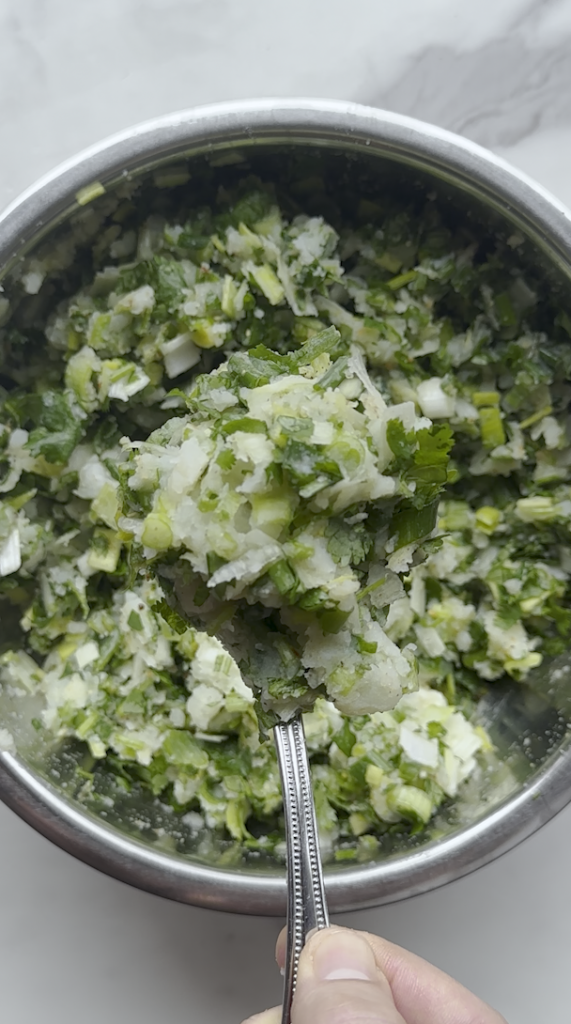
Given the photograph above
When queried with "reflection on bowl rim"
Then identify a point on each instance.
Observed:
(360, 130)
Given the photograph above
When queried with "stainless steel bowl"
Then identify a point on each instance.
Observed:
(529, 724)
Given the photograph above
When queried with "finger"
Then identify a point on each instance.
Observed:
(281, 949)
(422, 993)
(272, 1016)
(339, 982)
(425, 995)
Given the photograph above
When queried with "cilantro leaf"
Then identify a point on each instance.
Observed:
(58, 429)
(348, 545)
(434, 445)
(401, 442)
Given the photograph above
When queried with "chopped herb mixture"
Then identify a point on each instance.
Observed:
(264, 465)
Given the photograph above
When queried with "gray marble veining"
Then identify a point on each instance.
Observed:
(497, 94)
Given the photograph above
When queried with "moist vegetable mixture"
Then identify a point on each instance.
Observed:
(263, 465)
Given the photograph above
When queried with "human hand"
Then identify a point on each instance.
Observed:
(350, 977)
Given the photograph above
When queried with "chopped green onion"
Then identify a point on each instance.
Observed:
(492, 428)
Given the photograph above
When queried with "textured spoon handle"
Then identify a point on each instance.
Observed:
(306, 906)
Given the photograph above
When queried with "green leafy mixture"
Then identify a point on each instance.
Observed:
(269, 467)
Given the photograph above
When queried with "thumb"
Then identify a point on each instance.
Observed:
(339, 983)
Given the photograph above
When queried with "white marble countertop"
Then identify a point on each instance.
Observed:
(73, 943)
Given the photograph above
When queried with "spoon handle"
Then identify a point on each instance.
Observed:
(306, 905)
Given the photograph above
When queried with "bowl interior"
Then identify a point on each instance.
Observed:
(528, 723)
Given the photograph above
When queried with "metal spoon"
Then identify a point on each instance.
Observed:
(306, 905)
